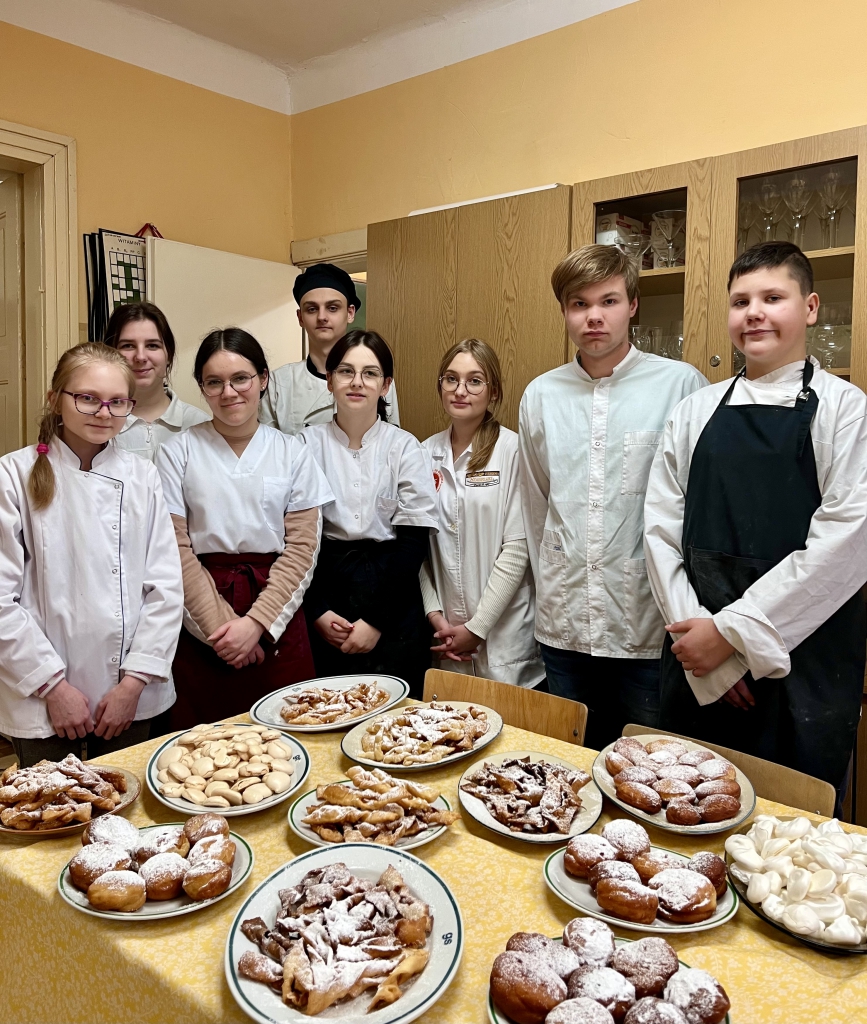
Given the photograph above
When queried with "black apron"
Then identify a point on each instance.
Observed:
(752, 493)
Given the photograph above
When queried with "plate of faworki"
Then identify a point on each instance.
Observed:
(578, 894)
(419, 737)
(388, 962)
(231, 768)
(328, 704)
(531, 796)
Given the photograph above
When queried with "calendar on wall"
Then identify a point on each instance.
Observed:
(116, 267)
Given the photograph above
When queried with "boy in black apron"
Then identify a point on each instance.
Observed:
(756, 537)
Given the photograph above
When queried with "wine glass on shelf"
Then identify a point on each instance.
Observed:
(746, 221)
(771, 207)
(635, 244)
(669, 224)
(798, 198)
(832, 199)
(642, 337)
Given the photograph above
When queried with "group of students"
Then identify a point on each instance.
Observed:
(672, 553)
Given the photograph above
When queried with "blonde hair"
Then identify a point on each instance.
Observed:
(40, 484)
(591, 264)
(488, 430)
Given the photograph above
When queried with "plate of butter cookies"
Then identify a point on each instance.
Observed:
(675, 784)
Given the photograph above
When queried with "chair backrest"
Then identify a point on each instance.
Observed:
(770, 781)
(524, 708)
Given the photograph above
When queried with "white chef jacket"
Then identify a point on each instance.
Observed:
(89, 586)
(388, 482)
(298, 397)
(792, 600)
(237, 505)
(586, 449)
(478, 513)
(144, 439)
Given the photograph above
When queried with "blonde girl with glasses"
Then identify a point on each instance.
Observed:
(364, 608)
(477, 586)
(245, 502)
(90, 580)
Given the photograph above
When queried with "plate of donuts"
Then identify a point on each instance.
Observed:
(675, 784)
(124, 873)
(591, 976)
(618, 877)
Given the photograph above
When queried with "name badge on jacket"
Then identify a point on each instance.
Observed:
(484, 478)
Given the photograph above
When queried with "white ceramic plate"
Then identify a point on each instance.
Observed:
(576, 892)
(496, 1016)
(266, 711)
(591, 802)
(351, 742)
(606, 784)
(299, 809)
(156, 910)
(299, 757)
(365, 860)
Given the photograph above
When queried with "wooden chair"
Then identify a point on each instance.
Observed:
(771, 781)
(524, 708)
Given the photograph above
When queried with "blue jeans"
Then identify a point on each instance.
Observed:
(616, 690)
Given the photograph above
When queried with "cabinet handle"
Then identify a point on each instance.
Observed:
(715, 360)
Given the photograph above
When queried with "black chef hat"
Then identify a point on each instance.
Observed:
(326, 275)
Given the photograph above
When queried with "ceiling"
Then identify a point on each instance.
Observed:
(292, 33)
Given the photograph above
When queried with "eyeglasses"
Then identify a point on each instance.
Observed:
(213, 387)
(346, 375)
(474, 385)
(90, 405)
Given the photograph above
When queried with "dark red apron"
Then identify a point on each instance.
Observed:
(208, 689)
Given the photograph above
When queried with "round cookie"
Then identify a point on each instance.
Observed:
(605, 986)
(579, 1011)
(583, 851)
(592, 940)
(163, 875)
(208, 824)
(117, 890)
(562, 960)
(698, 995)
(94, 860)
(651, 1010)
(524, 987)
(627, 837)
(647, 963)
(111, 828)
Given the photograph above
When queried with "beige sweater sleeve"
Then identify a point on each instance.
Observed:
(201, 601)
(430, 598)
(291, 574)
(503, 583)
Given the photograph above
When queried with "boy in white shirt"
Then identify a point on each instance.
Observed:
(756, 537)
(298, 394)
(588, 433)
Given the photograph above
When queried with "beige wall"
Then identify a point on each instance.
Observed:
(652, 83)
(204, 168)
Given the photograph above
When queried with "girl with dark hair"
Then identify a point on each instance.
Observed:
(364, 608)
(141, 333)
(477, 586)
(245, 502)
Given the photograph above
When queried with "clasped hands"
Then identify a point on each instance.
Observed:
(458, 643)
(237, 642)
(357, 637)
(69, 709)
(702, 648)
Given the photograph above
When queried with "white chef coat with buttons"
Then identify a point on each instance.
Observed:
(478, 513)
(791, 601)
(388, 482)
(297, 396)
(586, 449)
(90, 586)
(144, 439)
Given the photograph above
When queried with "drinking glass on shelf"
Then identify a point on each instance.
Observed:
(832, 199)
(747, 213)
(832, 346)
(643, 337)
(672, 343)
(771, 207)
(798, 198)
(635, 244)
(670, 223)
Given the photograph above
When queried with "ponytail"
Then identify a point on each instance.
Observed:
(488, 431)
(41, 484)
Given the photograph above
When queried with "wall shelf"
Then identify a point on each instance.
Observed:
(662, 281)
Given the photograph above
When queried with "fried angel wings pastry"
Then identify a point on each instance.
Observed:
(322, 706)
(375, 808)
(337, 936)
(423, 734)
(52, 794)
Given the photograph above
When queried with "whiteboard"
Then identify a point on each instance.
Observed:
(199, 289)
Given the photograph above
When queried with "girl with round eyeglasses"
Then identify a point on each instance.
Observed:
(364, 608)
(245, 500)
(141, 333)
(477, 585)
(90, 581)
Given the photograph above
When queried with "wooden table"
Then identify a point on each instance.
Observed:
(61, 965)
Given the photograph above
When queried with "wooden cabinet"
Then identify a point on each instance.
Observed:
(481, 270)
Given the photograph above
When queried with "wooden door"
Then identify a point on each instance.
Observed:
(11, 342)
(831, 266)
(677, 289)
(481, 270)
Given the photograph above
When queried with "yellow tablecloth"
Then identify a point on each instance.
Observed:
(61, 965)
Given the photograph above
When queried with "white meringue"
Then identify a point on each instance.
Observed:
(853, 882)
(761, 832)
(844, 932)
(773, 906)
(827, 827)
(841, 842)
(794, 829)
(759, 888)
(825, 855)
(782, 865)
(739, 842)
(776, 882)
(856, 905)
(854, 867)
(740, 874)
(750, 860)
(801, 859)
(859, 843)
(802, 920)
(798, 884)
(775, 847)
(826, 908)
(823, 882)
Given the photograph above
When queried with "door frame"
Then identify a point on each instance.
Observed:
(47, 163)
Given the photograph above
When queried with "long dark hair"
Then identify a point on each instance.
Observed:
(377, 345)
(132, 312)
(230, 339)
